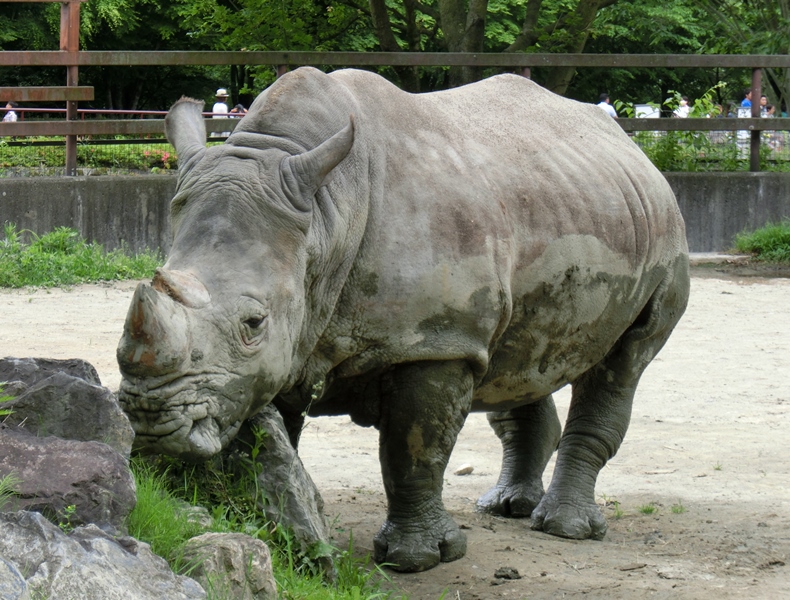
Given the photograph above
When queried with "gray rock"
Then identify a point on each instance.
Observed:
(12, 584)
(32, 370)
(88, 563)
(232, 565)
(71, 408)
(54, 474)
(290, 496)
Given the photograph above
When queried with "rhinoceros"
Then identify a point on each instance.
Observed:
(405, 259)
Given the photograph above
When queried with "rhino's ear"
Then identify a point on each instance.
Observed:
(185, 129)
(304, 173)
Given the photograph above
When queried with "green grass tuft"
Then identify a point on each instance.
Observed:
(165, 486)
(648, 509)
(63, 258)
(770, 243)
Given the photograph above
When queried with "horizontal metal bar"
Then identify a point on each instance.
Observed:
(369, 59)
(75, 93)
(156, 126)
(101, 127)
(724, 124)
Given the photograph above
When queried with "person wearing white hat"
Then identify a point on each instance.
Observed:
(220, 110)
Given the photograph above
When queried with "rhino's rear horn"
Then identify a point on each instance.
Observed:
(155, 338)
(303, 174)
(182, 287)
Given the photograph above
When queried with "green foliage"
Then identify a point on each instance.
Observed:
(158, 517)
(678, 509)
(770, 243)
(4, 412)
(648, 509)
(66, 518)
(62, 258)
(8, 486)
(229, 485)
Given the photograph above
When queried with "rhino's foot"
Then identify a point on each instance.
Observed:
(511, 500)
(573, 518)
(419, 545)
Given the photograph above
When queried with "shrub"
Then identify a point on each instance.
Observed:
(62, 258)
(770, 243)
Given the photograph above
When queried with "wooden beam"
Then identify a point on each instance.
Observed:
(46, 94)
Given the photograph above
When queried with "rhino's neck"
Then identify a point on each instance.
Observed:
(339, 221)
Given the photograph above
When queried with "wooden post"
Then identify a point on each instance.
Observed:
(70, 42)
(754, 148)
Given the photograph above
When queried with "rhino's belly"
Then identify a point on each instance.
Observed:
(557, 333)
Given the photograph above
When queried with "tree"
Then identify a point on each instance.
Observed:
(653, 27)
(757, 27)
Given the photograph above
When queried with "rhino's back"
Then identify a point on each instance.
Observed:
(505, 225)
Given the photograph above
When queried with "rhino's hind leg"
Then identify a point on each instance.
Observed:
(599, 415)
(423, 407)
(529, 435)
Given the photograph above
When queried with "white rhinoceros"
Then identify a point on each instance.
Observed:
(408, 259)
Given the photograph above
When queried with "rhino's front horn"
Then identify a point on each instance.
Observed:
(155, 337)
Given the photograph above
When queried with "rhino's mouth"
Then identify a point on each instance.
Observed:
(192, 417)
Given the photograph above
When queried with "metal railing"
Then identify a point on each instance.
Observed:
(522, 63)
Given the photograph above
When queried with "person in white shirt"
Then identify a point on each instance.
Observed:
(220, 110)
(604, 104)
(10, 115)
(682, 111)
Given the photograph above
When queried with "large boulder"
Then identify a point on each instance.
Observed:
(12, 584)
(71, 408)
(231, 565)
(88, 563)
(55, 474)
(32, 370)
(289, 495)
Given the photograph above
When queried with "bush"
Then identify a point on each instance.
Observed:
(63, 258)
(770, 243)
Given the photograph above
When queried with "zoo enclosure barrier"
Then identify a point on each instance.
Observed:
(523, 63)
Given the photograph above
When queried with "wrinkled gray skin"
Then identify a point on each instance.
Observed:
(412, 258)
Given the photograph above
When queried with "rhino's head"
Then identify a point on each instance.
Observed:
(213, 337)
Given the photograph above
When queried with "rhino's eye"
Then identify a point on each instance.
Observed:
(254, 322)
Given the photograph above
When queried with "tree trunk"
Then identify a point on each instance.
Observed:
(464, 31)
(383, 29)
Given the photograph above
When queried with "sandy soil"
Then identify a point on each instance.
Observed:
(706, 448)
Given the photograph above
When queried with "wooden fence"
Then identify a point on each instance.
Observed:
(522, 63)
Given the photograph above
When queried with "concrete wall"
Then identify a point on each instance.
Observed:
(110, 210)
(717, 206)
(134, 210)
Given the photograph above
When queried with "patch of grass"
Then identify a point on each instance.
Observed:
(229, 485)
(63, 258)
(648, 509)
(617, 511)
(717, 467)
(8, 487)
(770, 243)
(678, 509)
(4, 412)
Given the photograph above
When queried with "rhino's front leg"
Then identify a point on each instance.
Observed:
(423, 408)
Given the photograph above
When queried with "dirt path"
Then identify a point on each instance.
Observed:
(706, 447)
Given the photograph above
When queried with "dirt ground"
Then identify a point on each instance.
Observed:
(706, 448)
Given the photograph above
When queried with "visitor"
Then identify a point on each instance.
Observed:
(220, 111)
(604, 104)
(10, 115)
(238, 111)
(683, 110)
(747, 98)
